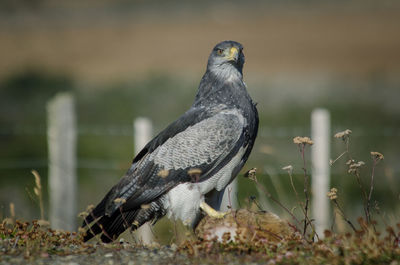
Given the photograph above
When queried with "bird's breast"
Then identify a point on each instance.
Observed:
(183, 201)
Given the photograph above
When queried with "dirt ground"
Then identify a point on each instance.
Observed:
(104, 255)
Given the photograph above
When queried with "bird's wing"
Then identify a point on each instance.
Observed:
(189, 150)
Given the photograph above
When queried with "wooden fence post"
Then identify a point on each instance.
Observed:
(143, 131)
(61, 135)
(320, 154)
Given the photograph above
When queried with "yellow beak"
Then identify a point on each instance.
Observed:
(233, 54)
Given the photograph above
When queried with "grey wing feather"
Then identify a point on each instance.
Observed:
(201, 143)
(203, 146)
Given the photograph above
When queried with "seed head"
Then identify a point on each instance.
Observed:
(377, 156)
(354, 166)
(332, 194)
(289, 169)
(251, 174)
(37, 179)
(343, 135)
(302, 140)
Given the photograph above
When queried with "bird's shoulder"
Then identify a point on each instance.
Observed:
(196, 115)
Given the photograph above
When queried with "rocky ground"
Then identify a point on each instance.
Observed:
(103, 255)
(241, 237)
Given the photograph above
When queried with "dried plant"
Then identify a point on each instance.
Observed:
(38, 192)
(289, 169)
(302, 142)
(251, 174)
(376, 157)
(333, 196)
(345, 136)
(354, 169)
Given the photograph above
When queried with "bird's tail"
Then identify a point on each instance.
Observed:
(110, 227)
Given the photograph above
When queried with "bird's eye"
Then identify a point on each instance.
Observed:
(219, 51)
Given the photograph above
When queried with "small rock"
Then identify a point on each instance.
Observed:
(174, 247)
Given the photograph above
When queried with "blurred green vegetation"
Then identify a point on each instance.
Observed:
(105, 147)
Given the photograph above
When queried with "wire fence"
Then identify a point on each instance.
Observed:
(126, 130)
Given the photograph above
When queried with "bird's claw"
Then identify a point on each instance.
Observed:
(218, 214)
(212, 212)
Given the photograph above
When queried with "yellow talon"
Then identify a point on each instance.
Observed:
(212, 212)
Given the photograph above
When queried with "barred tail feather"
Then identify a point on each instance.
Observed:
(110, 227)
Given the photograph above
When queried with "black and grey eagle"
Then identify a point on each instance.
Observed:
(187, 166)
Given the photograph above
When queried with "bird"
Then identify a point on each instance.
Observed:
(182, 173)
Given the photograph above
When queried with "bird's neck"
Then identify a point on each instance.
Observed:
(218, 87)
(225, 72)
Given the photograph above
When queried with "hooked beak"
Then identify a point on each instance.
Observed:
(233, 54)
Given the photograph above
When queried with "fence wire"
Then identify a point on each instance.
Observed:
(125, 130)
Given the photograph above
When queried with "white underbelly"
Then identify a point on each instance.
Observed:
(183, 201)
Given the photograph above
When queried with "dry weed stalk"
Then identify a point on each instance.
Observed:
(12, 211)
(38, 192)
(302, 142)
(345, 136)
(354, 169)
(251, 174)
(332, 194)
(83, 215)
(289, 169)
(376, 157)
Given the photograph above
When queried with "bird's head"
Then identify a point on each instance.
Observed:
(226, 58)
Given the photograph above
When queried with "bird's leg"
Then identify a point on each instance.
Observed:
(211, 212)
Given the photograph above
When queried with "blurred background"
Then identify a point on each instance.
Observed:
(124, 59)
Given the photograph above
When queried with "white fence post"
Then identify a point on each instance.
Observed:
(143, 131)
(320, 154)
(61, 137)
